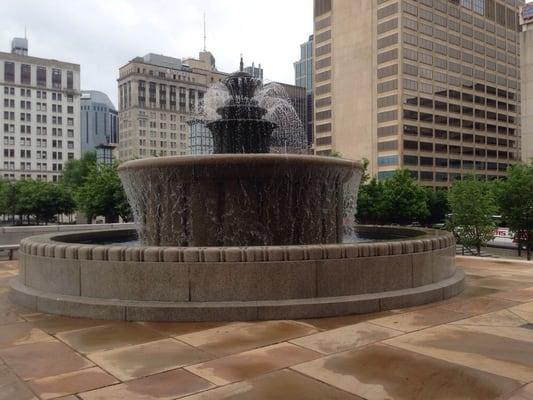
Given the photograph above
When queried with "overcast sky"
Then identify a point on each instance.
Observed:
(102, 35)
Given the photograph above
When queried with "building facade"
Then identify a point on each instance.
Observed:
(526, 72)
(40, 114)
(303, 76)
(298, 98)
(256, 72)
(157, 96)
(99, 120)
(200, 137)
(431, 86)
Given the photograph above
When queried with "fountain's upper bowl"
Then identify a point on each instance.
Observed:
(246, 161)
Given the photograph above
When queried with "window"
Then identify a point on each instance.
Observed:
(41, 76)
(9, 71)
(25, 74)
(56, 78)
(387, 160)
(70, 80)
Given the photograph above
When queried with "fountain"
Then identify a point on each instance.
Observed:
(242, 234)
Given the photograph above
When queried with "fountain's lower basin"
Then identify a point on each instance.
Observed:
(63, 274)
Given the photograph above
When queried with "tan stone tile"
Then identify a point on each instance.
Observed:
(416, 320)
(338, 322)
(528, 307)
(71, 382)
(165, 386)
(108, 337)
(71, 397)
(182, 328)
(500, 283)
(277, 385)
(12, 388)
(9, 314)
(147, 359)
(21, 333)
(480, 305)
(249, 364)
(494, 353)
(56, 324)
(525, 315)
(234, 338)
(380, 372)
(345, 338)
(42, 359)
(497, 318)
(522, 295)
(524, 393)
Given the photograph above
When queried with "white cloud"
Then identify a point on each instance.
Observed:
(102, 35)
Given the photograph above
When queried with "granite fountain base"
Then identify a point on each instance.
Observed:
(64, 274)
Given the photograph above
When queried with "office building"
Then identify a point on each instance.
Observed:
(40, 111)
(298, 99)
(431, 86)
(526, 71)
(256, 72)
(99, 120)
(157, 96)
(200, 137)
(303, 76)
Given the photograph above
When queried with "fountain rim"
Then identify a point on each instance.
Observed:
(239, 159)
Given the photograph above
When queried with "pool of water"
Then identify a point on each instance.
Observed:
(130, 239)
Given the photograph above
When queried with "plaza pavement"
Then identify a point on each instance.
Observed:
(478, 345)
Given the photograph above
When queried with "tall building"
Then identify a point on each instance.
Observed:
(303, 74)
(200, 137)
(298, 99)
(256, 72)
(157, 95)
(431, 86)
(99, 120)
(40, 101)
(526, 72)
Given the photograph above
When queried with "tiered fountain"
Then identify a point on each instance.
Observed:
(237, 235)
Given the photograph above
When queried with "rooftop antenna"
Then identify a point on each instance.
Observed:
(242, 64)
(205, 36)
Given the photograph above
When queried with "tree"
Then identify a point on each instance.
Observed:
(404, 200)
(515, 198)
(438, 206)
(370, 203)
(42, 200)
(75, 171)
(101, 193)
(473, 205)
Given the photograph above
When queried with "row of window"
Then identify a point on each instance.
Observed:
(433, 176)
(40, 76)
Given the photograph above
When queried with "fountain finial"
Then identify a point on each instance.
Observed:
(242, 64)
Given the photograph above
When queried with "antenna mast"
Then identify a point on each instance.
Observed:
(205, 36)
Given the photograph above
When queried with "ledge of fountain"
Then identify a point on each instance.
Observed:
(54, 246)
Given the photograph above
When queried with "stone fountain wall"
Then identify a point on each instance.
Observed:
(233, 283)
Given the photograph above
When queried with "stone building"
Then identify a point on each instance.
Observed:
(303, 76)
(157, 95)
(40, 114)
(431, 85)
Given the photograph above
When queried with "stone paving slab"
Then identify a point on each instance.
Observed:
(477, 345)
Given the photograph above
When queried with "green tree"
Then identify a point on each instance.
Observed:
(75, 171)
(473, 205)
(438, 206)
(404, 200)
(515, 198)
(101, 193)
(370, 203)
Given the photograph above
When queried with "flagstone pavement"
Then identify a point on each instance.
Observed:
(478, 345)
